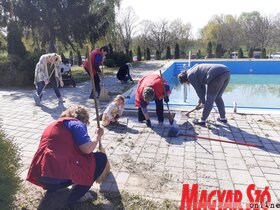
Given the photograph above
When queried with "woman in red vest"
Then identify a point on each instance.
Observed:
(65, 156)
(150, 88)
(96, 58)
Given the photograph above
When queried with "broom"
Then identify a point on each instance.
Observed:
(104, 96)
(37, 96)
(106, 170)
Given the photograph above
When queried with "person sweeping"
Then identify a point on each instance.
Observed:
(150, 88)
(216, 77)
(65, 156)
(47, 71)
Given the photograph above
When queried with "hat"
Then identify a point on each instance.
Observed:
(148, 94)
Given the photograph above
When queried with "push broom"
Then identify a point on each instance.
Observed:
(106, 171)
(104, 96)
(37, 96)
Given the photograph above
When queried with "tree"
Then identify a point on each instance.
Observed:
(168, 53)
(209, 49)
(139, 54)
(177, 51)
(65, 20)
(263, 53)
(130, 56)
(160, 36)
(15, 45)
(251, 52)
(219, 50)
(257, 30)
(157, 55)
(126, 23)
(79, 58)
(148, 54)
(71, 57)
(198, 54)
(240, 53)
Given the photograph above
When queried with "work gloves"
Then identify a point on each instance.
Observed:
(199, 106)
(166, 99)
(148, 123)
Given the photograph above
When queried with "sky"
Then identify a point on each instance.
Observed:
(198, 12)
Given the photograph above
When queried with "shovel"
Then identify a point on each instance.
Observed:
(170, 116)
(106, 170)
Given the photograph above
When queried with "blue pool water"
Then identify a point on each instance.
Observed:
(248, 91)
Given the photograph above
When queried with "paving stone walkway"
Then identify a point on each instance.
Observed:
(144, 160)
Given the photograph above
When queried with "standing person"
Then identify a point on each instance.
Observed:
(150, 88)
(216, 77)
(96, 58)
(114, 111)
(48, 71)
(65, 156)
(124, 73)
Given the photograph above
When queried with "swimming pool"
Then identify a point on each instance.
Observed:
(253, 84)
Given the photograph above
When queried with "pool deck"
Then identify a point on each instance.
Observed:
(148, 163)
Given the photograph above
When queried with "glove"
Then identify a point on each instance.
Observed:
(166, 99)
(148, 123)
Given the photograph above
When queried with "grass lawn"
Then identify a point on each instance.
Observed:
(80, 74)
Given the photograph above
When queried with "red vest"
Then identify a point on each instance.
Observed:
(92, 59)
(153, 81)
(58, 156)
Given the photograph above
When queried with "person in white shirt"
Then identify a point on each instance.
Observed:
(114, 111)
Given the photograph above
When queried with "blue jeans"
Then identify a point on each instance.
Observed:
(40, 86)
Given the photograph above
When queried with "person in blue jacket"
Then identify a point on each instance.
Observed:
(216, 77)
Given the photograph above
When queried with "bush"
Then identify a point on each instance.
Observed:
(17, 71)
(109, 62)
(121, 58)
(9, 164)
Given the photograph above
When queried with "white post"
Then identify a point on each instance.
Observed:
(189, 59)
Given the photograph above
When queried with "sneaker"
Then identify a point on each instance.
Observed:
(222, 120)
(60, 100)
(199, 122)
(86, 197)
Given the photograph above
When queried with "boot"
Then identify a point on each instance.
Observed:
(60, 100)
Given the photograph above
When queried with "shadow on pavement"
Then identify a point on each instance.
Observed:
(103, 200)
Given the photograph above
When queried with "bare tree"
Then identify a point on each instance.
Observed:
(180, 33)
(257, 30)
(126, 24)
(160, 35)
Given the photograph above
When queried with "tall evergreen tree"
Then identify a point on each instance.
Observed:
(209, 49)
(263, 53)
(251, 52)
(15, 45)
(219, 50)
(177, 51)
(139, 54)
(148, 54)
(168, 53)
(240, 53)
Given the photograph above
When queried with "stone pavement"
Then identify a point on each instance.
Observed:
(144, 160)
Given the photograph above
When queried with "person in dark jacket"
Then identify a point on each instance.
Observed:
(216, 77)
(65, 156)
(124, 73)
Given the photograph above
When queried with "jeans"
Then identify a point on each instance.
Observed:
(96, 83)
(40, 86)
(77, 191)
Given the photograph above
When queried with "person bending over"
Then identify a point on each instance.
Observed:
(150, 88)
(216, 77)
(124, 73)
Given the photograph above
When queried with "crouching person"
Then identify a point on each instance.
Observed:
(114, 111)
(65, 156)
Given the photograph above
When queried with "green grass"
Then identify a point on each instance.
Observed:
(80, 74)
